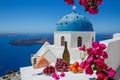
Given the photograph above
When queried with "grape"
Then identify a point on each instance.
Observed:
(49, 70)
(61, 65)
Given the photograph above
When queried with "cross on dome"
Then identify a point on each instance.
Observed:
(74, 8)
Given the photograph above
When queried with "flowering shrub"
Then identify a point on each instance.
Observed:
(95, 61)
(90, 5)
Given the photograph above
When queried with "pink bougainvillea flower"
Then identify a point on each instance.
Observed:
(89, 70)
(70, 2)
(99, 52)
(103, 66)
(90, 59)
(65, 0)
(94, 52)
(82, 2)
(84, 64)
(62, 74)
(93, 10)
(99, 73)
(83, 48)
(95, 44)
(99, 62)
(102, 46)
(57, 77)
(105, 55)
(96, 61)
(90, 5)
(101, 76)
(89, 50)
(89, 0)
(99, 2)
(54, 75)
(111, 72)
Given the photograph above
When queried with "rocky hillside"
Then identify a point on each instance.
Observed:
(11, 75)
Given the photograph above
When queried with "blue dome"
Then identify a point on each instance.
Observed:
(74, 22)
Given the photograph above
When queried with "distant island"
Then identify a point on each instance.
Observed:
(17, 34)
(30, 41)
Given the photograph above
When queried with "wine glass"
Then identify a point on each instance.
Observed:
(82, 56)
(33, 61)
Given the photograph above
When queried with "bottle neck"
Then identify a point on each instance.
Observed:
(65, 44)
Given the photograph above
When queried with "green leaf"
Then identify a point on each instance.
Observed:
(95, 67)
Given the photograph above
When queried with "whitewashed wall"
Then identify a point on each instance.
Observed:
(57, 38)
(116, 36)
(113, 50)
(86, 38)
(58, 51)
(71, 38)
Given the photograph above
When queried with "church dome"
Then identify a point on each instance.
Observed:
(74, 22)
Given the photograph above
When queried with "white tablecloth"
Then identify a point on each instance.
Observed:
(26, 74)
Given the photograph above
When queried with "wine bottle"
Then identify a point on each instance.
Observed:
(66, 55)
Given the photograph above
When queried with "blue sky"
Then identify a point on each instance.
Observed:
(36, 16)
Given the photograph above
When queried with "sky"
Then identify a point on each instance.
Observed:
(38, 16)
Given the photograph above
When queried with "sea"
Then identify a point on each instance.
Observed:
(13, 57)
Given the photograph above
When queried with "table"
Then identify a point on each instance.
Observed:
(26, 74)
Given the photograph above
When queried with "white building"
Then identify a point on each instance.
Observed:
(73, 28)
(77, 30)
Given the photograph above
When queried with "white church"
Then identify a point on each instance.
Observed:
(73, 28)
(77, 30)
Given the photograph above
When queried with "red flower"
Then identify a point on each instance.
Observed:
(95, 61)
(111, 72)
(89, 0)
(62, 74)
(102, 46)
(101, 76)
(70, 2)
(90, 59)
(103, 66)
(94, 52)
(105, 55)
(95, 44)
(89, 50)
(89, 70)
(99, 2)
(90, 5)
(93, 10)
(84, 65)
(99, 62)
(83, 2)
(83, 48)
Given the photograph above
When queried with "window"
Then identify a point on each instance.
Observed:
(92, 39)
(79, 42)
(62, 40)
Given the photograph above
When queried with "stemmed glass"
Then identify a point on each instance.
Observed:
(33, 61)
(82, 56)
